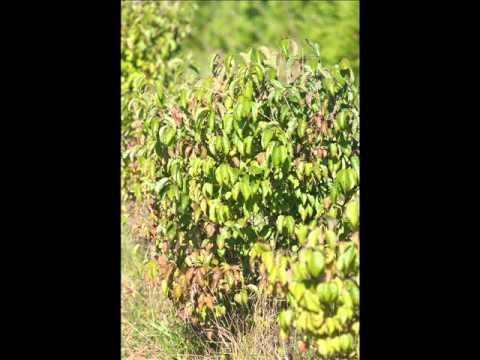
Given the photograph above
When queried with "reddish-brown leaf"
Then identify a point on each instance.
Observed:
(236, 162)
(217, 275)
(261, 158)
(201, 301)
(177, 115)
(210, 229)
(138, 124)
(188, 150)
(182, 313)
(327, 202)
(199, 279)
(209, 302)
(302, 346)
(356, 238)
(162, 261)
(189, 275)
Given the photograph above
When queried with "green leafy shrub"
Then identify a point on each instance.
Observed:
(253, 174)
(151, 58)
(152, 35)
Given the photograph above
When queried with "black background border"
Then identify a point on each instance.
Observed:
(65, 59)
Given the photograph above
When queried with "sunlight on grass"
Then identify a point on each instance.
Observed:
(150, 329)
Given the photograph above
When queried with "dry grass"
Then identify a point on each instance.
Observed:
(256, 337)
(152, 330)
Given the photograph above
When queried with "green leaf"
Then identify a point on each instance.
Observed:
(218, 143)
(332, 325)
(331, 238)
(220, 241)
(158, 149)
(333, 149)
(297, 289)
(203, 206)
(335, 344)
(212, 211)
(267, 258)
(285, 319)
(347, 179)
(161, 184)
(329, 85)
(245, 188)
(167, 134)
(233, 174)
(316, 264)
(219, 175)
(324, 348)
(255, 108)
(207, 189)
(289, 223)
(226, 144)
(301, 322)
(249, 90)
(199, 112)
(300, 271)
(248, 145)
(277, 156)
(310, 301)
(240, 147)
(356, 327)
(280, 221)
(352, 213)
(220, 310)
(236, 191)
(314, 237)
(301, 231)
(211, 121)
(345, 260)
(345, 342)
(267, 135)
(241, 297)
(211, 146)
(184, 202)
(244, 297)
(344, 314)
(356, 165)
(344, 64)
(327, 292)
(238, 298)
(259, 249)
(227, 124)
(341, 120)
(355, 293)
